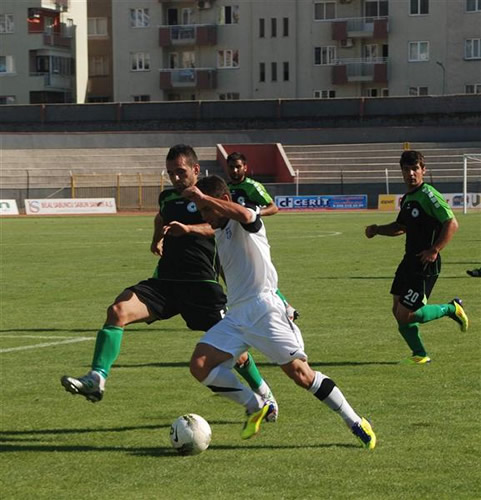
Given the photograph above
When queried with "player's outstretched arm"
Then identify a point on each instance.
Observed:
(222, 206)
(176, 228)
(392, 229)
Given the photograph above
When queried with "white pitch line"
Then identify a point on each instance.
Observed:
(44, 344)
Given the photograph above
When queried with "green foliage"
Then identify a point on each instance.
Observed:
(58, 275)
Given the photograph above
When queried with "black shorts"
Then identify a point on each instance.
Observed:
(412, 284)
(201, 304)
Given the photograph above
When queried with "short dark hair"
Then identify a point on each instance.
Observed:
(411, 158)
(214, 186)
(182, 150)
(236, 156)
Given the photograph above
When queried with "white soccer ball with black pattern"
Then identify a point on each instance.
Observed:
(190, 434)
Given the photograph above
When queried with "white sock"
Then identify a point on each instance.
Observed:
(326, 390)
(222, 381)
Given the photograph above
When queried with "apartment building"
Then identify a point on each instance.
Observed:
(42, 57)
(153, 50)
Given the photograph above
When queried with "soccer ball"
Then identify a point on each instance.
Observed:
(190, 434)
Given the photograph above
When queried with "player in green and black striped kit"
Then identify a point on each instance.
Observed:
(185, 283)
(250, 193)
(429, 224)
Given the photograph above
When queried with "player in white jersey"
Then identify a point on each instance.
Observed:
(256, 316)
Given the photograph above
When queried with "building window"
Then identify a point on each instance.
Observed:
(376, 8)
(418, 51)
(229, 96)
(474, 88)
(285, 71)
(273, 72)
(472, 48)
(285, 26)
(97, 26)
(7, 64)
(6, 23)
(98, 66)
(418, 91)
(384, 92)
(188, 59)
(262, 72)
(229, 14)
(273, 27)
(370, 93)
(324, 55)
(141, 98)
(139, 18)
(140, 61)
(8, 99)
(228, 58)
(262, 28)
(473, 5)
(324, 94)
(418, 7)
(324, 10)
(96, 98)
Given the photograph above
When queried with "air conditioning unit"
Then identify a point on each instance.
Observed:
(203, 4)
(347, 43)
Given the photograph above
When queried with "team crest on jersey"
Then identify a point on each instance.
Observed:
(192, 207)
(241, 201)
(415, 212)
(228, 233)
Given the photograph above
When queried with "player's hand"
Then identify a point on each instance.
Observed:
(428, 256)
(176, 229)
(156, 247)
(193, 193)
(371, 230)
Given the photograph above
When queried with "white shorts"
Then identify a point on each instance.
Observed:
(261, 323)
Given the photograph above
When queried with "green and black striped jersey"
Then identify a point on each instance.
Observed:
(191, 257)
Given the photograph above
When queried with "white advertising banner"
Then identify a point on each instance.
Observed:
(8, 207)
(63, 206)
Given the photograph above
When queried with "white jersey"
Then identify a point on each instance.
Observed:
(246, 259)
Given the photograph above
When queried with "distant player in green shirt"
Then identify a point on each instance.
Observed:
(429, 224)
(250, 193)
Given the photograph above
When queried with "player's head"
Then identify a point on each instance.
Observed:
(412, 168)
(182, 166)
(214, 186)
(236, 167)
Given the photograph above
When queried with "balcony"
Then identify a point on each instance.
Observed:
(360, 27)
(52, 81)
(188, 34)
(57, 40)
(360, 70)
(192, 78)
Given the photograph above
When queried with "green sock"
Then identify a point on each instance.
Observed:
(410, 333)
(107, 348)
(281, 295)
(250, 373)
(434, 311)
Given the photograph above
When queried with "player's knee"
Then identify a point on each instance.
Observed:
(198, 368)
(117, 314)
(300, 372)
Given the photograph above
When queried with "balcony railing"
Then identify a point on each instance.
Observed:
(188, 34)
(360, 27)
(53, 81)
(56, 40)
(196, 78)
(360, 70)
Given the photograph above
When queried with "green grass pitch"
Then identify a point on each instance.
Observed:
(58, 275)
